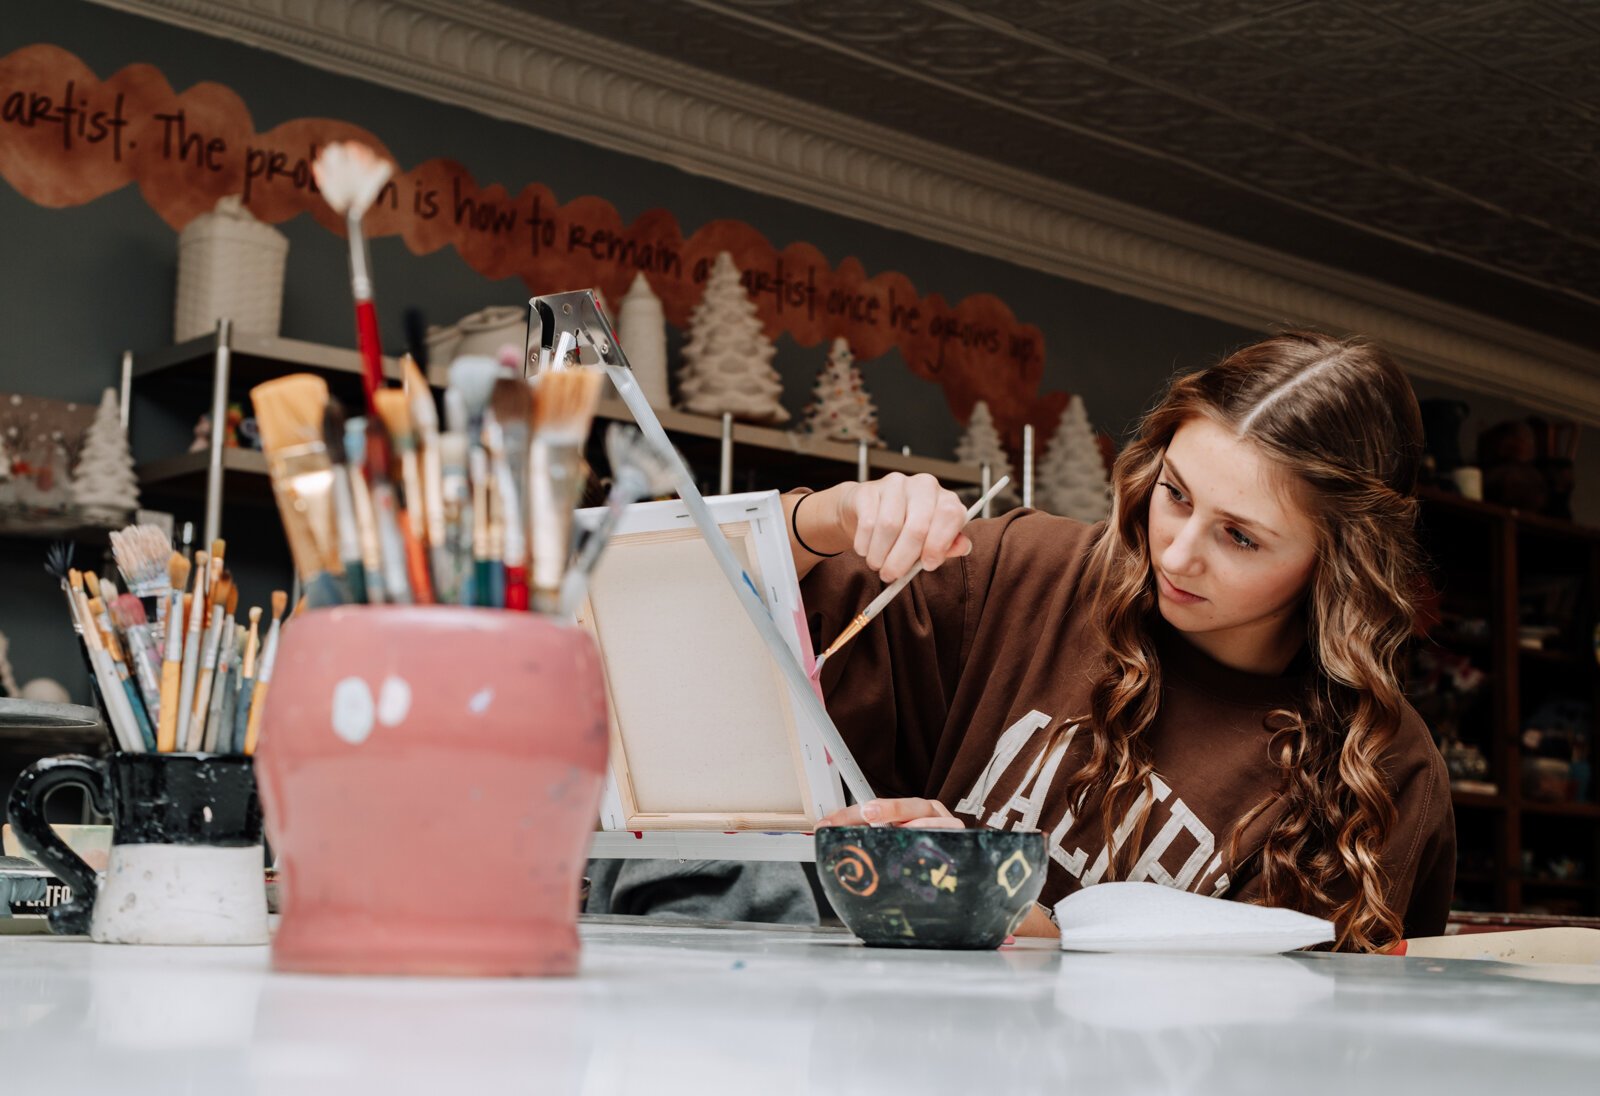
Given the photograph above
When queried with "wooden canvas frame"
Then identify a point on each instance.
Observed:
(676, 645)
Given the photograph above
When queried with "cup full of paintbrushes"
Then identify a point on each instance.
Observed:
(417, 692)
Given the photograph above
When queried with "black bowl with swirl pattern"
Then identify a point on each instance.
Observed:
(916, 888)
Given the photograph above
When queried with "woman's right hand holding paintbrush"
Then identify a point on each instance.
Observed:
(890, 522)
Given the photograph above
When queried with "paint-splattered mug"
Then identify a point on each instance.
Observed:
(186, 863)
(432, 780)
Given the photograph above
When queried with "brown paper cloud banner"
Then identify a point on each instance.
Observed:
(68, 137)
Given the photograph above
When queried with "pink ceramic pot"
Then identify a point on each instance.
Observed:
(431, 777)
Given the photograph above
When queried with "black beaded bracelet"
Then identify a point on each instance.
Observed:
(794, 527)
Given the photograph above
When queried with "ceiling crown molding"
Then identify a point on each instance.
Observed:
(512, 65)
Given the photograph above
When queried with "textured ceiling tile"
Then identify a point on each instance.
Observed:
(1200, 62)
(1026, 13)
(1379, 67)
(1308, 30)
(1049, 82)
(1467, 127)
(1114, 29)
(1286, 94)
(1416, 13)
(1502, 35)
(1213, 13)
(1573, 74)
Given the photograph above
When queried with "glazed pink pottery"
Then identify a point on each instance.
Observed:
(431, 777)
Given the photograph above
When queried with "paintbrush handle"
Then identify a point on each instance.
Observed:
(367, 337)
(222, 737)
(397, 584)
(167, 725)
(241, 714)
(416, 563)
(120, 713)
(147, 670)
(219, 688)
(516, 587)
(141, 719)
(186, 683)
(252, 731)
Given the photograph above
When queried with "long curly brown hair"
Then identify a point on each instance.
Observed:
(1341, 417)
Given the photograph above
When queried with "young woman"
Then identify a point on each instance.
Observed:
(1201, 692)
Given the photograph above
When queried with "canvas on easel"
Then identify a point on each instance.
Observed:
(705, 731)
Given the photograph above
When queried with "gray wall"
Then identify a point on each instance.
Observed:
(82, 284)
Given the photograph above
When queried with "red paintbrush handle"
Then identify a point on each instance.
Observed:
(371, 350)
(516, 587)
(416, 564)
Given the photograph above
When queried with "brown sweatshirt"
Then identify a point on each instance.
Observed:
(973, 686)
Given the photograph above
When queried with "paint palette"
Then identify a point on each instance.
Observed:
(916, 888)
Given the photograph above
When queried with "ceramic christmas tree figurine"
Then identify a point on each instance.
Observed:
(981, 445)
(104, 486)
(843, 409)
(728, 358)
(642, 331)
(1072, 477)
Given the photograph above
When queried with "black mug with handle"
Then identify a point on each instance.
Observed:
(187, 863)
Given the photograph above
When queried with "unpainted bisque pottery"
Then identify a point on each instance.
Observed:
(899, 887)
(432, 776)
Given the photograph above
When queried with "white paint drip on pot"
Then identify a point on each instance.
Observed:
(480, 701)
(394, 701)
(352, 710)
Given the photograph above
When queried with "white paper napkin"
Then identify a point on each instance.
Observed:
(1147, 917)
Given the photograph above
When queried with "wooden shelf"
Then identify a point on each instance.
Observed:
(1555, 657)
(186, 472)
(1547, 882)
(1493, 551)
(55, 528)
(244, 475)
(794, 444)
(1492, 511)
(1564, 810)
(255, 358)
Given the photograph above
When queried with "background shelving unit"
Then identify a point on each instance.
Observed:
(1506, 569)
(205, 375)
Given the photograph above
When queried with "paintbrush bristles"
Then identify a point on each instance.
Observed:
(411, 379)
(289, 412)
(141, 554)
(392, 407)
(565, 402)
(280, 602)
(511, 400)
(178, 567)
(350, 176)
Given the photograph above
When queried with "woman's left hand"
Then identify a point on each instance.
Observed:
(927, 814)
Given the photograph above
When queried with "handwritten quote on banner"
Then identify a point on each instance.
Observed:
(68, 137)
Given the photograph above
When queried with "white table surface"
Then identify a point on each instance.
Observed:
(672, 1009)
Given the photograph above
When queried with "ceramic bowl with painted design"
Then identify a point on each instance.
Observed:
(914, 888)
